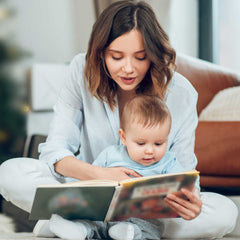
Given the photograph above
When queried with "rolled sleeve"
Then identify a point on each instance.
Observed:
(65, 129)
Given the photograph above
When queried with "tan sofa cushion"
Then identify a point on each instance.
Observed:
(217, 148)
(225, 106)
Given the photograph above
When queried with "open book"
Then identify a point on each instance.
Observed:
(110, 200)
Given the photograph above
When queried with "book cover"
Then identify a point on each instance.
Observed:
(109, 200)
(79, 200)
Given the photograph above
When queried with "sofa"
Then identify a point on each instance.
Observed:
(217, 141)
(217, 145)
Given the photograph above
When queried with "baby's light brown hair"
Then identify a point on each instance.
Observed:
(146, 110)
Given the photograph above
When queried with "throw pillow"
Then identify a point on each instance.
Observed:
(225, 106)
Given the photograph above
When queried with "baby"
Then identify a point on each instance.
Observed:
(145, 126)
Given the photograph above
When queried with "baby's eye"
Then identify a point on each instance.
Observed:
(158, 144)
(140, 143)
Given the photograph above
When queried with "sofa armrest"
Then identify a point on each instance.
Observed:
(217, 148)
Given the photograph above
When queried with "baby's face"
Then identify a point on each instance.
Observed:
(147, 145)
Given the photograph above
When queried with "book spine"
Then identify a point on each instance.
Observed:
(113, 203)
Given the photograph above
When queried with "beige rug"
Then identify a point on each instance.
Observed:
(6, 224)
(29, 236)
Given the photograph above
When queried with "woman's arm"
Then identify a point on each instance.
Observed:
(184, 139)
(64, 131)
(74, 168)
(183, 101)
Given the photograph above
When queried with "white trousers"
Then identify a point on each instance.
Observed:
(19, 178)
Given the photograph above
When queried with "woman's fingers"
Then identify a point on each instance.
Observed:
(193, 197)
(187, 209)
(130, 172)
(194, 200)
(180, 210)
(116, 173)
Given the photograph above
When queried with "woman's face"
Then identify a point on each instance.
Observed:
(127, 60)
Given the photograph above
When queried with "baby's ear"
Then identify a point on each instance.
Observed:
(122, 136)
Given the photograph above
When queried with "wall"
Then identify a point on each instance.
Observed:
(52, 30)
(56, 30)
(180, 21)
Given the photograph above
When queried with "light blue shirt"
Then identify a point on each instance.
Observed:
(82, 121)
(117, 156)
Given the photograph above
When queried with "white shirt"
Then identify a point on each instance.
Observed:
(82, 121)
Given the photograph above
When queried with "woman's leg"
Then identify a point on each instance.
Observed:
(218, 217)
(19, 178)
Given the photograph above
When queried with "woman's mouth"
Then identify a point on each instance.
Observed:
(128, 80)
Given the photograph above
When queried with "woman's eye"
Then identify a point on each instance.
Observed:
(141, 58)
(116, 58)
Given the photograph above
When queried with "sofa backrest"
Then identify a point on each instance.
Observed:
(207, 78)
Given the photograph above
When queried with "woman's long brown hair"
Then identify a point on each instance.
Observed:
(116, 20)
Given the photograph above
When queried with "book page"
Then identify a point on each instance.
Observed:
(144, 197)
(86, 183)
(140, 179)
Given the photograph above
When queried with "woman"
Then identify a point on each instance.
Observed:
(128, 53)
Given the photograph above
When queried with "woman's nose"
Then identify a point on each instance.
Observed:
(128, 67)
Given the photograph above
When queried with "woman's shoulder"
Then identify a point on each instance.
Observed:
(79, 58)
(181, 91)
(182, 86)
(76, 70)
(73, 88)
(78, 62)
(181, 97)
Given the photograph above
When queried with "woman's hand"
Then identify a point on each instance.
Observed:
(188, 208)
(115, 173)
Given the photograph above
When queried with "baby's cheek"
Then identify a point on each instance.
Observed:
(161, 153)
(136, 154)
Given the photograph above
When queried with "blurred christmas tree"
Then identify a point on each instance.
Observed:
(12, 115)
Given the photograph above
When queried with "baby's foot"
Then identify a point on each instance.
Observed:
(124, 231)
(42, 229)
(66, 229)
